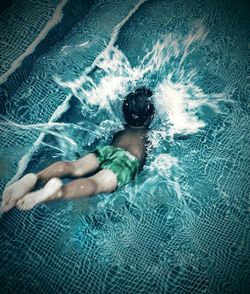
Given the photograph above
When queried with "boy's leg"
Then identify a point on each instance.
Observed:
(17, 190)
(77, 168)
(103, 181)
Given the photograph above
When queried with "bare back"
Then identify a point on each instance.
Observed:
(133, 140)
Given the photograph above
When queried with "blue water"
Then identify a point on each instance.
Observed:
(182, 226)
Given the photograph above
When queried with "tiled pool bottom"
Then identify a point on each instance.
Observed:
(183, 225)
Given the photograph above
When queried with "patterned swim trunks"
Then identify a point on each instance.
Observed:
(121, 162)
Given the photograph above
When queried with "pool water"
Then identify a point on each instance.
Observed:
(182, 226)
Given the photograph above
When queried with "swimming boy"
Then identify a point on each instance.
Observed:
(113, 165)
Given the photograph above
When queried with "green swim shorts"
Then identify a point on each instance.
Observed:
(121, 162)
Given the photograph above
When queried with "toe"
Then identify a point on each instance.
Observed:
(19, 203)
(25, 206)
(22, 204)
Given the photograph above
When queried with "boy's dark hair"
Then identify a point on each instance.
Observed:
(137, 108)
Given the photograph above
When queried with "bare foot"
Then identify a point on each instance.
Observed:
(48, 192)
(17, 190)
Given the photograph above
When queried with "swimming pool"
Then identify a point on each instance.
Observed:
(183, 225)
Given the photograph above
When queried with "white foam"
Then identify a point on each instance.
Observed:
(118, 73)
(56, 18)
(74, 85)
(163, 163)
(107, 90)
(197, 34)
(77, 83)
(174, 99)
(177, 102)
(66, 49)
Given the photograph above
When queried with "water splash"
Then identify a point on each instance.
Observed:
(163, 68)
(177, 97)
(177, 101)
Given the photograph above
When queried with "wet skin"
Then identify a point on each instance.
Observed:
(134, 140)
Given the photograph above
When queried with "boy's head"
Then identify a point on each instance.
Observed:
(138, 108)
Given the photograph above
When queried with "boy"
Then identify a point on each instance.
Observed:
(113, 166)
